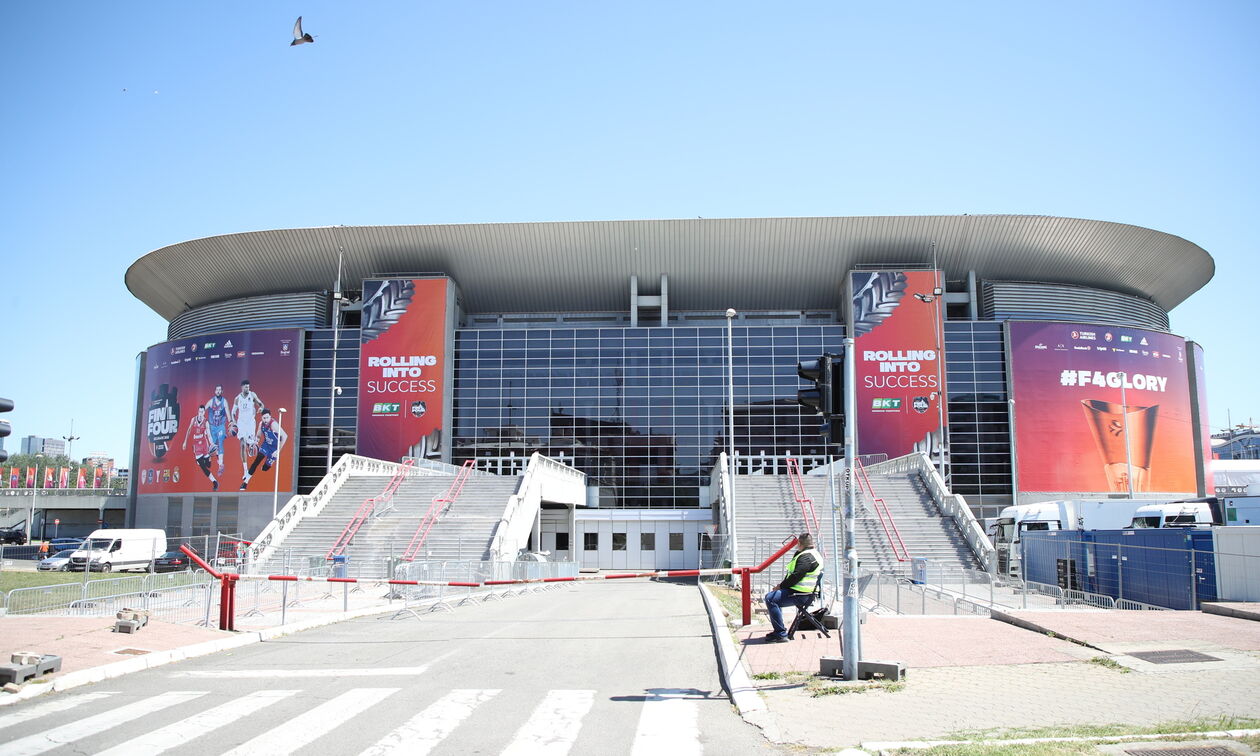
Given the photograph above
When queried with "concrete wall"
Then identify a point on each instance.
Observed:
(610, 525)
(1238, 563)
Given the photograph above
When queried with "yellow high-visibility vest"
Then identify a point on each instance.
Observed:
(807, 583)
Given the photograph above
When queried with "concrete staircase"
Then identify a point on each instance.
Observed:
(767, 514)
(922, 528)
(462, 532)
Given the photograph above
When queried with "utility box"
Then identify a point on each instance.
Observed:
(918, 570)
(339, 565)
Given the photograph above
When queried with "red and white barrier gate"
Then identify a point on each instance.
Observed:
(228, 581)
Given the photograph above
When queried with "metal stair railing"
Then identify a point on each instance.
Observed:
(368, 508)
(438, 506)
(808, 514)
(886, 521)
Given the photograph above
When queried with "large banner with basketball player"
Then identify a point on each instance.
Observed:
(404, 368)
(896, 320)
(211, 413)
(1100, 409)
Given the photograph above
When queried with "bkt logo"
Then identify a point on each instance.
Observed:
(385, 408)
(885, 404)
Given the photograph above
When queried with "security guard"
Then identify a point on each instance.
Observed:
(797, 587)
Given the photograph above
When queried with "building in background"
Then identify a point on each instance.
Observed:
(1010, 348)
(1242, 442)
(49, 447)
(101, 460)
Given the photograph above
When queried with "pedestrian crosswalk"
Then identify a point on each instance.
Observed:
(379, 719)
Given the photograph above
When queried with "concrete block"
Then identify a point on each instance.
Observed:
(25, 657)
(16, 673)
(134, 615)
(833, 666)
(48, 664)
(128, 626)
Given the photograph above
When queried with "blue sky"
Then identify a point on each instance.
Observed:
(133, 125)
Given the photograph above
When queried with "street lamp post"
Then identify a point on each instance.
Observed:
(730, 419)
(275, 493)
(70, 441)
(334, 390)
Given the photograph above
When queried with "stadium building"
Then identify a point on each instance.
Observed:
(1029, 357)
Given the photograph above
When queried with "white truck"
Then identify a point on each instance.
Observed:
(1087, 514)
(119, 549)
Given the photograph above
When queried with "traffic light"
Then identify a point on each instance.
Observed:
(826, 398)
(817, 398)
(6, 405)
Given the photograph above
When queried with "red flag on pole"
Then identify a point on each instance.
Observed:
(13, 477)
(48, 477)
(80, 482)
(97, 474)
(30, 477)
(65, 477)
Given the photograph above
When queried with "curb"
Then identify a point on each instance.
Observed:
(751, 707)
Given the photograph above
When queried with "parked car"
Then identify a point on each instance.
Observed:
(172, 561)
(59, 562)
(12, 535)
(59, 544)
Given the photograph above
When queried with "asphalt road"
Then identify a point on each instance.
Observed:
(598, 668)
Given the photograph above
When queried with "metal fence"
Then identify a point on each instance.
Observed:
(1114, 574)
(173, 597)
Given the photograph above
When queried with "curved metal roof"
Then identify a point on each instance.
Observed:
(712, 264)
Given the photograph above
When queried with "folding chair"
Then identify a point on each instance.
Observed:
(805, 619)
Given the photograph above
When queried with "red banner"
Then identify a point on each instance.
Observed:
(896, 317)
(1100, 409)
(97, 475)
(63, 477)
(81, 483)
(13, 477)
(402, 361)
(48, 477)
(30, 477)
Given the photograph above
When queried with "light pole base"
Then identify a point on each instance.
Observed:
(833, 666)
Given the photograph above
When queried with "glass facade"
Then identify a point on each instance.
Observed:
(643, 411)
(316, 390)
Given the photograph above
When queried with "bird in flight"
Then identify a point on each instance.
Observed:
(298, 36)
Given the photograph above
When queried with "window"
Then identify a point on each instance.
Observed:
(647, 541)
(174, 516)
(675, 541)
(590, 541)
(562, 541)
(225, 514)
(619, 541)
(201, 516)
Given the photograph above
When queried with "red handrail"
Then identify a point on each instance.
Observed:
(885, 516)
(367, 508)
(436, 507)
(808, 514)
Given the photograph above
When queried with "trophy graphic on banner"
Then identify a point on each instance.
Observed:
(1124, 435)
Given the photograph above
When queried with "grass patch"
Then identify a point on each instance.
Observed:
(1077, 731)
(1109, 663)
(14, 579)
(1206, 724)
(817, 687)
(768, 676)
(977, 749)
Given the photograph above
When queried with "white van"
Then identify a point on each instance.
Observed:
(119, 549)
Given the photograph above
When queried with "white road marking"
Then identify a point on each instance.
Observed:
(181, 732)
(305, 728)
(48, 707)
(271, 674)
(59, 736)
(554, 725)
(669, 724)
(420, 734)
